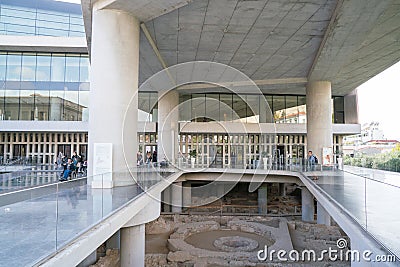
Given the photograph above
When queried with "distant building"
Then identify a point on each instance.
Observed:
(370, 141)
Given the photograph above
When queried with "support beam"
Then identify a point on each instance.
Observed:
(133, 246)
(262, 199)
(167, 199)
(323, 216)
(176, 197)
(187, 195)
(282, 189)
(307, 205)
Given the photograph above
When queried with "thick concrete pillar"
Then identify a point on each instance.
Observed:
(114, 83)
(319, 117)
(167, 199)
(323, 216)
(282, 189)
(220, 190)
(176, 197)
(187, 196)
(168, 113)
(133, 246)
(262, 199)
(307, 205)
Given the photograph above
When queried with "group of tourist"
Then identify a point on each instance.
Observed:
(74, 163)
(151, 158)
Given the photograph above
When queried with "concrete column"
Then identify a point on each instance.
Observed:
(282, 189)
(307, 205)
(114, 83)
(319, 117)
(133, 246)
(167, 199)
(176, 197)
(262, 199)
(220, 190)
(168, 126)
(323, 216)
(187, 196)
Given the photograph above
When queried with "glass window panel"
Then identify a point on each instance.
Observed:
(11, 109)
(42, 102)
(226, 107)
(51, 32)
(77, 28)
(198, 107)
(52, 25)
(77, 34)
(212, 107)
(239, 107)
(57, 68)
(72, 111)
(26, 106)
(53, 16)
(279, 108)
(301, 100)
(76, 20)
(84, 69)
(12, 28)
(14, 67)
(292, 111)
(2, 93)
(43, 67)
(72, 69)
(84, 105)
(18, 20)
(21, 12)
(56, 105)
(3, 66)
(253, 108)
(28, 67)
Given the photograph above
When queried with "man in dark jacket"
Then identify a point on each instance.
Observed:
(69, 167)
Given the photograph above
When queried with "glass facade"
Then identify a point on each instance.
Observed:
(249, 108)
(39, 86)
(41, 17)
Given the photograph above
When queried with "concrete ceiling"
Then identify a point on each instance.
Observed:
(344, 41)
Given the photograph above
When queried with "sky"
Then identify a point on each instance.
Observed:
(379, 100)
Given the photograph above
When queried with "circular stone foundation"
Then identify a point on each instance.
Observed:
(235, 244)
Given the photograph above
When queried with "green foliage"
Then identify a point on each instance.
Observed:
(389, 161)
(193, 153)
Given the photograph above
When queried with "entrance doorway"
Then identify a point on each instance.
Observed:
(19, 151)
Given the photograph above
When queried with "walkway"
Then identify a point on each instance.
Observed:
(37, 227)
(371, 200)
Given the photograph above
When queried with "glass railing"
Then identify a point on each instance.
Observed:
(290, 164)
(369, 197)
(38, 222)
